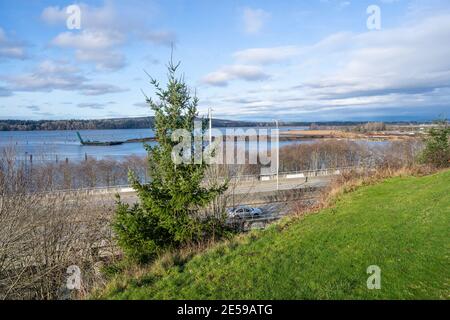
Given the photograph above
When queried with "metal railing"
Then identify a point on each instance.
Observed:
(245, 178)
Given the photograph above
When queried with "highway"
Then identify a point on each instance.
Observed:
(248, 189)
(259, 194)
(274, 199)
(284, 184)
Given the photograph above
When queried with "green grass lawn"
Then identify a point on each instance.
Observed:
(401, 225)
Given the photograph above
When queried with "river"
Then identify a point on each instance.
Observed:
(61, 145)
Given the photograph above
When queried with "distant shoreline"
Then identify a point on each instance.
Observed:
(147, 122)
(99, 124)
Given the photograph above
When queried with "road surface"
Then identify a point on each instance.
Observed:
(284, 184)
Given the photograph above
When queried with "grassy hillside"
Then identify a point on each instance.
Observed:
(402, 225)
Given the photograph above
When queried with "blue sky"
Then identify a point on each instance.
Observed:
(311, 60)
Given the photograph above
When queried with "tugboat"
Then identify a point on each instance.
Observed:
(97, 143)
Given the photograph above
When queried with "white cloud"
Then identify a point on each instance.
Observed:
(12, 52)
(412, 57)
(104, 60)
(55, 67)
(47, 76)
(235, 72)
(104, 31)
(251, 60)
(10, 49)
(266, 55)
(96, 106)
(95, 46)
(98, 89)
(269, 55)
(54, 15)
(344, 4)
(159, 37)
(52, 75)
(88, 40)
(92, 18)
(404, 69)
(254, 20)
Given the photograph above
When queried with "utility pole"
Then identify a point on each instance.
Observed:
(278, 155)
(210, 125)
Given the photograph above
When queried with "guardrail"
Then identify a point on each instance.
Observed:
(296, 174)
(244, 178)
(314, 173)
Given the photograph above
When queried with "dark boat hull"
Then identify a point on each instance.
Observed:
(98, 143)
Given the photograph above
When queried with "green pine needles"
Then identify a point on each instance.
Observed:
(437, 145)
(168, 213)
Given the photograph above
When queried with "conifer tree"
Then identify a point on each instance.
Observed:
(166, 215)
(437, 145)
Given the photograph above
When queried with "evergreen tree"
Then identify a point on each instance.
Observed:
(167, 214)
(437, 146)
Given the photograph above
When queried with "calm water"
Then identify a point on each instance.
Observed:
(52, 145)
(47, 145)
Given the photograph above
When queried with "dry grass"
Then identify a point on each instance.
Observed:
(324, 133)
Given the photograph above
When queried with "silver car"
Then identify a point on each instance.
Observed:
(242, 212)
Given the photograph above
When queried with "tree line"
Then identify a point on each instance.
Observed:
(105, 124)
(148, 122)
(49, 125)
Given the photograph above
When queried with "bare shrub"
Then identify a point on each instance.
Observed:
(323, 154)
(64, 175)
(403, 153)
(371, 127)
(347, 153)
(42, 234)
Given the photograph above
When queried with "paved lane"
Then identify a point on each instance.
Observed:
(284, 184)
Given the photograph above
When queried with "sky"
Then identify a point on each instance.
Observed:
(310, 60)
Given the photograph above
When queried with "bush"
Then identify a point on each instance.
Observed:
(437, 147)
(137, 232)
